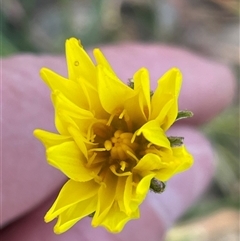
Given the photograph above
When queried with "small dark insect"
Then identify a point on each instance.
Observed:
(157, 185)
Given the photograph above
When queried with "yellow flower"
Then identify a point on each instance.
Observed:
(111, 140)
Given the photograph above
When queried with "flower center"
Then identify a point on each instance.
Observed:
(121, 150)
(121, 145)
(115, 147)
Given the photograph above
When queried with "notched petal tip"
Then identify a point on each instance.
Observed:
(57, 230)
(48, 217)
(74, 40)
(175, 71)
(101, 60)
(44, 74)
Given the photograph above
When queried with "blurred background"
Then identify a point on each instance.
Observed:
(210, 27)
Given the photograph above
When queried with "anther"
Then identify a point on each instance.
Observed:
(126, 135)
(123, 165)
(118, 133)
(108, 145)
(114, 140)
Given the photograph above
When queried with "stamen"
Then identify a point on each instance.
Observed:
(134, 136)
(92, 138)
(133, 145)
(91, 159)
(123, 165)
(122, 114)
(132, 156)
(100, 130)
(90, 135)
(126, 148)
(149, 144)
(118, 133)
(153, 151)
(128, 121)
(94, 127)
(98, 179)
(113, 169)
(114, 140)
(108, 145)
(110, 120)
(126, 135)
(97, 149)
(99, 159)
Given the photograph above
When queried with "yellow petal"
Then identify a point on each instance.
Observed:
(128, 194)
(168, 109)
(116, 219)
(169, 86)
(68, 114)
(170, 116)
(75, 213)
(154, 134)
(101, 60)
(119, 195)
(135, 193)
(50, 139)
(79, 63)
(112, 92)
(71, 194)
(68, 158)
(106, 197)
(142, 84)
(79, 139)
(62, 122)
(62, 103)
(134, 111)
(184, 158)
(143, 187)
(84, 94)
(180, 161)
(138, 107)
(148, 164)
(69, 88)
(141, 191)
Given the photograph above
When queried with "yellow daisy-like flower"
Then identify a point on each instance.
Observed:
(111, 142)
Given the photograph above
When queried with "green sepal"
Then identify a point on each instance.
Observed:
(182, 114)
(175, 140)
(130, 83)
